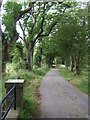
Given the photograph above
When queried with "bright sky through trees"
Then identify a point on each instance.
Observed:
(18, 28)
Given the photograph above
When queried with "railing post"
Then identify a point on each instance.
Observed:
(18, 93)
(0, 110)
(15, 98)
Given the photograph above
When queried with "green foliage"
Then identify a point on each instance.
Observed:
(25, 74)
(32, 82)
(37, 55)
(12, 10)
(10, 72)
(18, 56)
(18, 52)
(20, 65)
(29, 107)
(80, 81)
(67, 37)
(40, 72)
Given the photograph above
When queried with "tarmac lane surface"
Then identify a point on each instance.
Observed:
(59, 99)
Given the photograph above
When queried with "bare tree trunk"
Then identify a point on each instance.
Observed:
(32, 58)
(77, 68)
(21, 53)
(29, 59)
(46, 59)
(0, 3)
(77, 71)
(72, 63)
(5, 54)
(66, 64)
(40, 58)
(32, 51)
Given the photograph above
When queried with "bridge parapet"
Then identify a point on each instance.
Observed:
(19, 91)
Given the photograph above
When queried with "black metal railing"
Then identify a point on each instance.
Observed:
(13, 101)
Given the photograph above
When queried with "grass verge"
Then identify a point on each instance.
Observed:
(80, 81)
(31, 94)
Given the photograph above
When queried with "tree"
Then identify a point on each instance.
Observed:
(34, 24)
(69, 38)
(13, 12)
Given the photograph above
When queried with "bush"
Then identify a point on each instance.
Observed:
(25, 74)
(19, 65)
(41, 71)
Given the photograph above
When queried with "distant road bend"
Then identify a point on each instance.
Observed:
(59, 99)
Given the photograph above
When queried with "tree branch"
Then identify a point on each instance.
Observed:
(15, 37)
(46, 34)
(35, 19)
(23, 36)
(13, 41)
(41, 25)
(24, 11)
(25, 40)
(52, 26)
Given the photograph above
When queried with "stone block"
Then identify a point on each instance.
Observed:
(19, 92)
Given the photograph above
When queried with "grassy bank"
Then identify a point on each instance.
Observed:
(31, 93)
(80, 81)
(31, 85)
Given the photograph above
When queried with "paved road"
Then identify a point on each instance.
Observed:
(59, 99)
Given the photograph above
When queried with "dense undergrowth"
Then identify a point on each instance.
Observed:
(31, 94)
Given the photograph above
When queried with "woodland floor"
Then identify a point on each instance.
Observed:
(59, 99)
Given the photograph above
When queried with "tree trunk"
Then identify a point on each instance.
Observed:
(29, 59)
(5, 55)
(46, 59)
(66, 64)
(77, 71)
(40, 58)
(0, 4)
(40, 61)
(21, 53)
(77, 68)
(72, 63)
(62, 62)
(32, 51)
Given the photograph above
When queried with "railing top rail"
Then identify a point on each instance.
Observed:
(6, 112)
(13, 101)
(8, 93)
